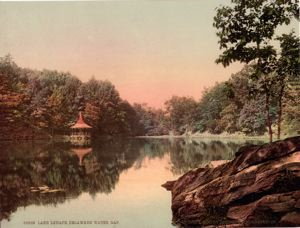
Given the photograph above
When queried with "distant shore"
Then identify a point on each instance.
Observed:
(216, 136)
(204, 135)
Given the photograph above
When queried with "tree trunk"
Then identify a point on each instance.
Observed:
(268, 119)
(280, 110)
(267, 91)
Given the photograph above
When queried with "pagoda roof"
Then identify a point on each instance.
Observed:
(80, 124)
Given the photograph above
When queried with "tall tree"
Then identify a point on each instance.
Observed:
(245, 30)
(288, 67)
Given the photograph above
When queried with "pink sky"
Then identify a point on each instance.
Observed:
(149, 50)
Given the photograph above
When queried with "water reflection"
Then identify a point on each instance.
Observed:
(81, 152)
(93, 170)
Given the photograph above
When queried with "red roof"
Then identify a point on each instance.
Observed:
(80, 123)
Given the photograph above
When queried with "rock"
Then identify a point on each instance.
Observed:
(290, 219)
(168, 185)
(260, 187)
(214, 164)
(258, 213)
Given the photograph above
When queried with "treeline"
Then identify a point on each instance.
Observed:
(235, 106)
(37, 104)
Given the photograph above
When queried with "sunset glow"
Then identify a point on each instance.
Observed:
(149, 50)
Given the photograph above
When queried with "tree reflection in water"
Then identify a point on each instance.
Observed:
(93, 170)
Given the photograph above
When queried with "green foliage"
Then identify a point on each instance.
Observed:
(287, 71)
(12, 96)
(182, 112)
(228, 117)
(33, 103)
(245, 30)
(289, 61)
(213, 101)
(291, 109)
(49, 101)
(103, 107)
(251, 118)
(151, 121)
(245, 27)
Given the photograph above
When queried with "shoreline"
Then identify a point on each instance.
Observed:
(60, 138)
(206, 136)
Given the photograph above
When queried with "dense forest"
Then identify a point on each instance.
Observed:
(49, 101)
(44, 103)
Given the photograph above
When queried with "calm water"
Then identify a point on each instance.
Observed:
(115, 181)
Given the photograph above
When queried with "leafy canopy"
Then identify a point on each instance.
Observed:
(246, 27)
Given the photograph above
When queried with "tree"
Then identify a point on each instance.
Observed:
(245, 30)
(209, 109)
(288, 66)
(229, 115)
(52, 100)
(251, 119)
(48, 101)
(103, 107)
(151, 121)
(291, 109)
(12, 97)
(182, 112)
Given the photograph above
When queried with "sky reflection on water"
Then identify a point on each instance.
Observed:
(116, 180)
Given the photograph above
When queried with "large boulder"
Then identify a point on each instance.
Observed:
(260, 187)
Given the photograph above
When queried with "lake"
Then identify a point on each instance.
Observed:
(113, 183)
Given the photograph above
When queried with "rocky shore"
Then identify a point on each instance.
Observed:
(259, 187)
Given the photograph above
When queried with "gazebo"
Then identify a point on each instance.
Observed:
(80, 132)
